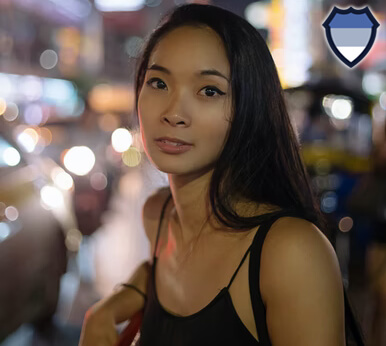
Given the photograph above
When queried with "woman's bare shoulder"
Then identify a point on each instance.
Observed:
(293, 239)
(151, 212)
(301, 285)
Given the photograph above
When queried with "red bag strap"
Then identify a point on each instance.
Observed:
(127, 336)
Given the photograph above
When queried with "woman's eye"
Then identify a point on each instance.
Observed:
(158, 85)
(210, 91)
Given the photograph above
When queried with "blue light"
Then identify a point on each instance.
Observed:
(329, 202)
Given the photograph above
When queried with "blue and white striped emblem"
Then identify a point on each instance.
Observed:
(350, 33)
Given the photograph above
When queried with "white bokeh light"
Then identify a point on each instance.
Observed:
(11, 156)
(121, 140)
(11, 213)
(48, 59)
(341, 108)
(51, 197)
(257, 13)
(79, 160)
(62, 179)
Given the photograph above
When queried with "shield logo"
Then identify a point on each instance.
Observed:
(350, 33)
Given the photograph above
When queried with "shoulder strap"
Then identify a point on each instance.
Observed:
(254, 273)
(159, 224)
(265, 218)
(249, 248)
(242, 261)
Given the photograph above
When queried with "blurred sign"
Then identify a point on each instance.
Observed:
(296, 56)
(111, 98)
(30, 90)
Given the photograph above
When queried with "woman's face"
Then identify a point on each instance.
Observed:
(186, 99)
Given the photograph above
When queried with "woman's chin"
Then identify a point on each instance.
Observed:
(172, 169)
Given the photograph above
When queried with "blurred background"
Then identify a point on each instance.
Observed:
(74, 177)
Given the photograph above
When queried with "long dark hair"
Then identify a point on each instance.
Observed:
(261, 159)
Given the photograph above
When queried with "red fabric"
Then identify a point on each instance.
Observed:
(127, 336)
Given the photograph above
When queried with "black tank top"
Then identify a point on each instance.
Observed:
(217, 323)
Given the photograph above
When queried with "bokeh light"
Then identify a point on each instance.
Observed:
(11, 112)
(373, 83)
(11, 213)
(98, 181)
(51, 197)
(28, 139)
(11, 156)
(257, 13)
(338, 106)
(345, 224)
(48, 59)
(121, 140)
(79, 160)
(329, 202)
(131, 157)
(45, 136)
(62, 179)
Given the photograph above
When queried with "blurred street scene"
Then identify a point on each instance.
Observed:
(74, 175)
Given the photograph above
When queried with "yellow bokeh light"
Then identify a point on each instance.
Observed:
(131, 157)
(45, 136)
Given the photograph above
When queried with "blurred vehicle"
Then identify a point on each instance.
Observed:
(334, 124)
(82, 152)
(90, 204)
(36, 224)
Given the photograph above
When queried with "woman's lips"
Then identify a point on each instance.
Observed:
(172, 139)
(172, 148)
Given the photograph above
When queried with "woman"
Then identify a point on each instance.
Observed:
(206, 78)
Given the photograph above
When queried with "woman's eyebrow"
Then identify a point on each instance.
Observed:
(212, 72)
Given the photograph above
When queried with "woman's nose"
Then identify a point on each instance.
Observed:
(175, 120)
(176, 113)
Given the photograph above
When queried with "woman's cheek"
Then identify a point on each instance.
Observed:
(215, 124)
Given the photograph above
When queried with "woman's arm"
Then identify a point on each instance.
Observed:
(124, 302)
(100, 320)
(301, 286)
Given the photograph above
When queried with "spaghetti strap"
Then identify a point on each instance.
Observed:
(159, 224)
(242, 261)
(271, 216)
